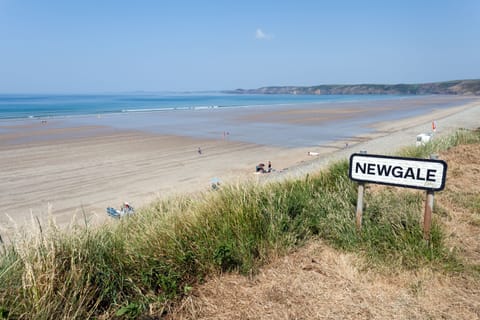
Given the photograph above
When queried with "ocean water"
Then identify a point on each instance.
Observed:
(18, 106)
(259, 119)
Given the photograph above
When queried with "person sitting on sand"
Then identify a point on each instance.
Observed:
(215, 183)
(126, 207)
(260, 168)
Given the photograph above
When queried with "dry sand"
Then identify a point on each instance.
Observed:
(77, 176)
(79, 171)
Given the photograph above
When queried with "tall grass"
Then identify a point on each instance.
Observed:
(148, 260)
(461, 136)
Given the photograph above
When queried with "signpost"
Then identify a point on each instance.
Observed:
(361, 191)
(426, 174)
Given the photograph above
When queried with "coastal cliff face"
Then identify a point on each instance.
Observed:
(457, 87)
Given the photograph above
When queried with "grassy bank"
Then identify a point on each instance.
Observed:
(149, 260)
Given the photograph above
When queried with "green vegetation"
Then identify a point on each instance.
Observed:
(156, 256)
(457, 87)
(461, 136)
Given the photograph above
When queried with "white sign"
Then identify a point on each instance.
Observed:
(396, 171)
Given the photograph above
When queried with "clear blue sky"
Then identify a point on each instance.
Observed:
(115, 46)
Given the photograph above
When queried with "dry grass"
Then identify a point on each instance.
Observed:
(319, 282)
(461, 201)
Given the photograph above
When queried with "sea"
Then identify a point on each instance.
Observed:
(214, 115)
(18, 106)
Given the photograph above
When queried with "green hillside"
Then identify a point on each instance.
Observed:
(146, 263)
(456, 87)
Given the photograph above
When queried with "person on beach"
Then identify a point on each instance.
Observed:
(126, 207)
(260, 168)
(199, 150)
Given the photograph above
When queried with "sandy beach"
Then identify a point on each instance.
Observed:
(68, 169)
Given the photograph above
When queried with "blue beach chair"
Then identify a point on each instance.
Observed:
(126, 209)
(114, 213)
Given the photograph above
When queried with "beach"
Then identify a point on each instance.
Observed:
(75, 168)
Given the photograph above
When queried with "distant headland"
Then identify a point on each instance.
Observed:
(456, 87)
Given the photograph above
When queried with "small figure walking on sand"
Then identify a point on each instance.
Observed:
(269, 166)
(199, 150)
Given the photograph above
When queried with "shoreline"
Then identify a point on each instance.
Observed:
(192, 104)
(79, 170)
(390, 137)
(291, 125)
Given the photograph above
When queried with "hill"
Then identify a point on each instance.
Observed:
(456, 87)
(320, 282)
(283, 250)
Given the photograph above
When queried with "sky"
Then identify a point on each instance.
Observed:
(99, 46)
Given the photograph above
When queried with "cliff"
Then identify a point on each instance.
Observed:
(457, 87)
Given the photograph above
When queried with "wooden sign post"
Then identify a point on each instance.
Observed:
(427, 216)
(361, 192)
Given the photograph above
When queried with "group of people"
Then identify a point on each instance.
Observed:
(260, 168)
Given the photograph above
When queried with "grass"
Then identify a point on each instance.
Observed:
(151, 259)
(461, 136)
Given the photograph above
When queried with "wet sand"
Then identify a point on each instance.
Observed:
(68, 169)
